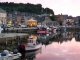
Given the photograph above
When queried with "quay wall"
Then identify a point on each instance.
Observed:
(11, 36)
(73, 29)
(70, 29)
(20, 30)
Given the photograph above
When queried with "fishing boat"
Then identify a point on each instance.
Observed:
(32, 44)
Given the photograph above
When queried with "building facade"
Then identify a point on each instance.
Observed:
(3, 16)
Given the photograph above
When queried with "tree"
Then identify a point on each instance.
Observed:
(29, 8)
(52, 18)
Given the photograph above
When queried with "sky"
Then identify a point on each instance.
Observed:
(70, 7)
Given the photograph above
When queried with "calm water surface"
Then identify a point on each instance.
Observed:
(65, 46)
(69, 50)
(59, 46)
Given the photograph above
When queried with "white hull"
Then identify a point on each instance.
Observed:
(32, 48)
(30, 54)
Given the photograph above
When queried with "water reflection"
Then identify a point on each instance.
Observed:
(7, 44)
(66, 51)
(77, 36)
(59, 37)
(30, 55)
(59, 46)
(45, 39)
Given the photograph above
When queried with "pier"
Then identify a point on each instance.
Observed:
(20, 30)
(10, 36)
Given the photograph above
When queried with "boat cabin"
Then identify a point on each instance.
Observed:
(32, 41)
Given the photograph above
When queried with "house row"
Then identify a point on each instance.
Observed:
(3, 16)
(17, 18)
(67, 20)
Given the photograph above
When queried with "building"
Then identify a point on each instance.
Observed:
(69, 21)
(18, 20)
(9, 18)
(77, 20)
(3, 16)
(14, 17)
(31, 22)
(59, 17)
(49, 22)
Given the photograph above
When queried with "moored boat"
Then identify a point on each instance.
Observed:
(42, 30)
(32, 44)
(9, 55)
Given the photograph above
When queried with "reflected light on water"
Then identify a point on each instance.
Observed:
(69, 50)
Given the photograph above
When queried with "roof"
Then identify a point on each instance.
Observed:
(47, 20)
(44, 15)
(31, 19)
(2, 11)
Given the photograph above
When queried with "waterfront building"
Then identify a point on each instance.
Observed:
(49, 22)
(3, 16)
(9, 18)
(59, 17)
(77, 20)
(69, 21)
(14, 17)
(31, 22)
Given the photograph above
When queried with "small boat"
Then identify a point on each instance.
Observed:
(9, 55)
(42, 30)
(32, 44)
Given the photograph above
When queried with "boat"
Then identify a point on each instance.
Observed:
(32, 44)
(42, 30)
(9, 55)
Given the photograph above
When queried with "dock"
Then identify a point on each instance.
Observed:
(9, 36)
(20, 30)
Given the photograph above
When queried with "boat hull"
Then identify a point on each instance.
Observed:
(42, 31)
(33, 53)
(34, 48)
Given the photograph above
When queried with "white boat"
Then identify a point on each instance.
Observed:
(6, 55)
(32, 44)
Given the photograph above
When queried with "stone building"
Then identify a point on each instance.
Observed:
(3, 16)
(49, 22)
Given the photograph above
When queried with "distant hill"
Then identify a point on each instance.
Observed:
(28, 7)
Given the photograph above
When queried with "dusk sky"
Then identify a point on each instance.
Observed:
(70, 7)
